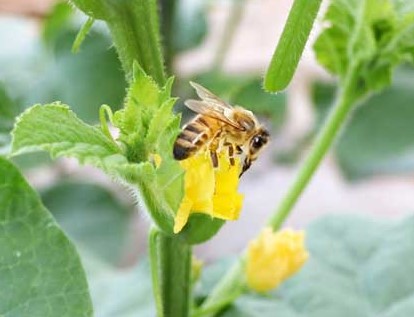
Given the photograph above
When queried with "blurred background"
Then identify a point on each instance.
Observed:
(225, 46)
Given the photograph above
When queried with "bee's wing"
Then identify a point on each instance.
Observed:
(214, 111)
(208, 96)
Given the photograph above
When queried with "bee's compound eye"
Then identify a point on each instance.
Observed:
(257, 142)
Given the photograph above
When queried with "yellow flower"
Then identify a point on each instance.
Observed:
(273, 257)
(208, 190)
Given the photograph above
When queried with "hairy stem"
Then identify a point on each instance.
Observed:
(171, 271)
(135, 29)
(325, 138)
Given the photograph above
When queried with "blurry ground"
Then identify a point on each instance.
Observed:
(266, 182)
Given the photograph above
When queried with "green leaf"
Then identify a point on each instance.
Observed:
(41, 274)
(91, 216)
(358, 267)
(291, 44)
(120, 292)
(200, 228)
(374, 36)
(380, 135)
(145, 117)
(61, 133)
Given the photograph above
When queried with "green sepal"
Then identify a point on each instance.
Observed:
(200, 228)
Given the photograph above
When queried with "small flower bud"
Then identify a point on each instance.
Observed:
(273, 257)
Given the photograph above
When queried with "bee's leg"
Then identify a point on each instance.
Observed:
(214, 158)
(231, 153)
(239, 150)
(213, 146)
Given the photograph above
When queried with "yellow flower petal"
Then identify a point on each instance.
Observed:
(273, 257)
(208, 190)
(182, 215)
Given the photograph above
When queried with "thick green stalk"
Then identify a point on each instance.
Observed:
(135, 30)
(171, 269)
(231, 281)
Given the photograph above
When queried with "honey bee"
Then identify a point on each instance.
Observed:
(218, 126)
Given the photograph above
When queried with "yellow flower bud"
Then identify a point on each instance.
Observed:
(208, 190)
(273, 257)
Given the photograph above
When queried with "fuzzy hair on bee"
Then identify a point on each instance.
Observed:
(217, 127)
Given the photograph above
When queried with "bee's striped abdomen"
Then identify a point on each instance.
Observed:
(193, 136)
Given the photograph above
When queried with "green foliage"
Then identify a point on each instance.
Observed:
(147, 129)
(373, 36)
(380, 134)
(147, 118)
(358, 267)
(291, 44)
(61, 133)
(91, 216)
(41, 274)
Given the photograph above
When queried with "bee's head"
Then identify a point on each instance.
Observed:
(259, 140)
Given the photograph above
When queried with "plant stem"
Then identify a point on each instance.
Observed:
(225, 292)
(322, 143)
(135, 29)
(171, 271)
(232, 22)
(325, 138)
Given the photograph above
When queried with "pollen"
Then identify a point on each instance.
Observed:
(208, 190)
(273, 257)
